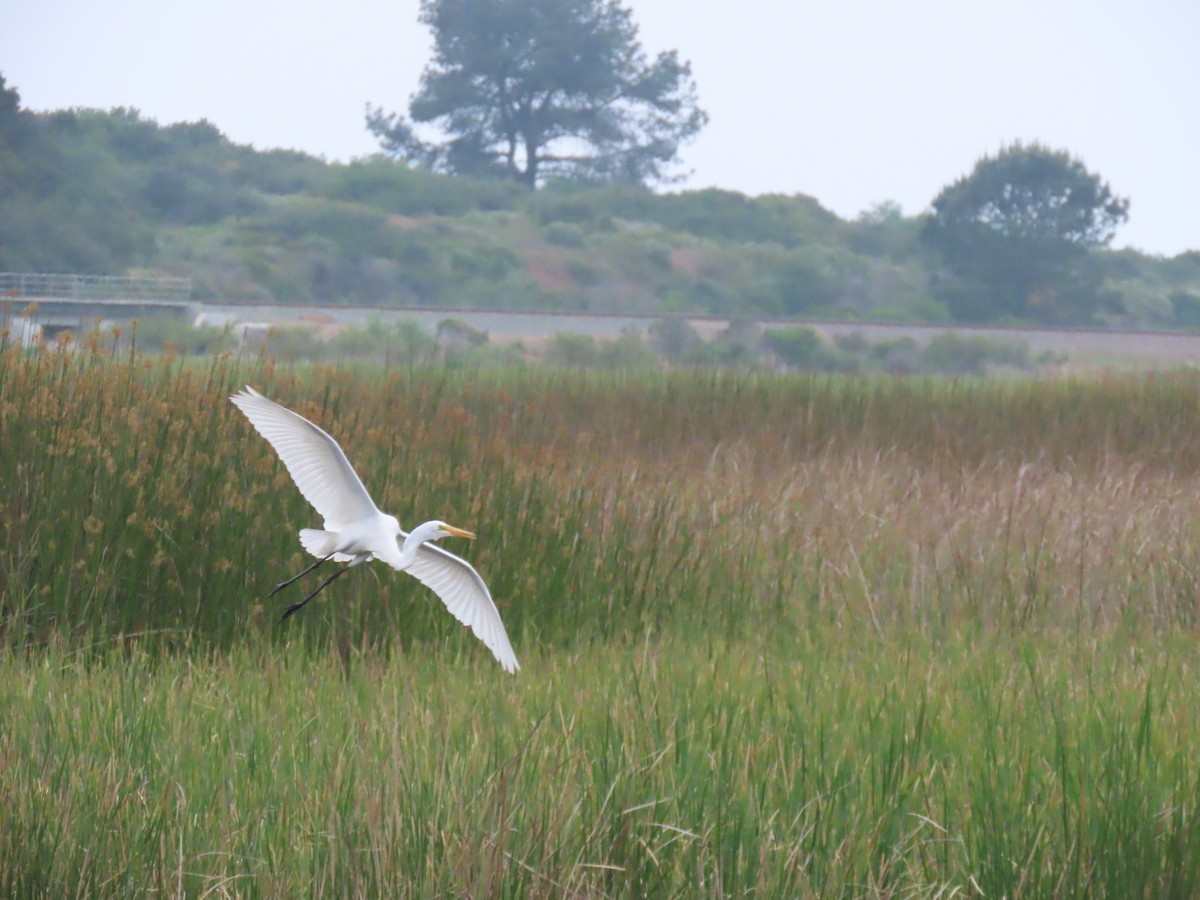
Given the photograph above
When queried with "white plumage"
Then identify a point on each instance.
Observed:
(355, 531)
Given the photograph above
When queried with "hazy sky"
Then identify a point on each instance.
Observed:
(850, 101)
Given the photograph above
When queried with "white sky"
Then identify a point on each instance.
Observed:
(850, 101)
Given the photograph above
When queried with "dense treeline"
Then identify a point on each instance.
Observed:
(111, 192)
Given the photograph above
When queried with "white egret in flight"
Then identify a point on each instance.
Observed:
(355, 531)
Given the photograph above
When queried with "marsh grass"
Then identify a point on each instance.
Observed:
(793, 636)
(797, 768)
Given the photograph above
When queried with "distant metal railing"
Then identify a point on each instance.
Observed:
(32, 286)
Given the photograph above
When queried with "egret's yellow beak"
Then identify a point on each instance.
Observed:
(458, 532)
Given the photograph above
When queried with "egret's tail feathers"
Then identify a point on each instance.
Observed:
(318, 543)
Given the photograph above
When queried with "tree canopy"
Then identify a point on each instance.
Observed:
(544, 88)
(1016, 234)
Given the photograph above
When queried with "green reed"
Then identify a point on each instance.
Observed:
(806, 768)
(794, 636)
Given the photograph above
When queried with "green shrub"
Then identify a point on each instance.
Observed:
(955, 354)
(297, 343)
(576, 351)
(1186, 307)
(455, 334)
(393, 187)
(628, 353)
(674, 338)
(353, 230)
(796, 346)
(583, 273)
(900, 356)
(401, 342)
(563, 234)
(158, 333)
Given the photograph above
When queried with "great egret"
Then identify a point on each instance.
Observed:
(356, 531)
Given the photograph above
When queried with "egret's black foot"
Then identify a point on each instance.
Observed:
(291, 609)
(324, 584)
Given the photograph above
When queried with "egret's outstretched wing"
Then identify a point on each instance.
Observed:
(466, 596)
(313, 459)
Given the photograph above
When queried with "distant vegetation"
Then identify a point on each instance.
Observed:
(669, 343)
(110, 192)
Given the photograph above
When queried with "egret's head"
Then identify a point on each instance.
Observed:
(444, 530)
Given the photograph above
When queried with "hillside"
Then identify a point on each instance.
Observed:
(110, 192)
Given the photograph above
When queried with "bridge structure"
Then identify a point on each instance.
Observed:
(58, 302)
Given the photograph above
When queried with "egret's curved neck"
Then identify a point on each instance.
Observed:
(422, 533)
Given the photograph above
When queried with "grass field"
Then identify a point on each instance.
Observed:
(779, 636)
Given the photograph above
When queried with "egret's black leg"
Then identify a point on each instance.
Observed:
(279, 587)
(324, 584)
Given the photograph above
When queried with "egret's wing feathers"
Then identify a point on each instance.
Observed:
(463, 591)
(313, 459)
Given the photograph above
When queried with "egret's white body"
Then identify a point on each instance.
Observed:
(355, 531)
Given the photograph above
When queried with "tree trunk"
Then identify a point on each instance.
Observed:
(531, 164)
